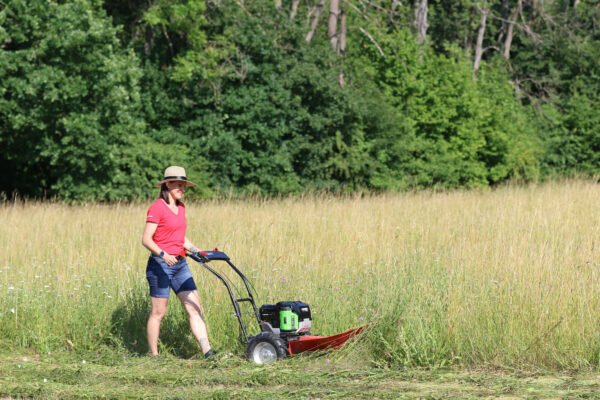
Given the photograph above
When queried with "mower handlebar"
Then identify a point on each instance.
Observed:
(206, 256)
(203, 257)
(198, 256)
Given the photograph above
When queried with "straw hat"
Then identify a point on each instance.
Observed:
(174, 173)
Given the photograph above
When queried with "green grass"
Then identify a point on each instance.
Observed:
(66, 376)
(505, 278)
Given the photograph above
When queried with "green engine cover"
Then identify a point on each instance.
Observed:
(288, 320)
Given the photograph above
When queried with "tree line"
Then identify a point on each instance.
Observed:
(285, 96)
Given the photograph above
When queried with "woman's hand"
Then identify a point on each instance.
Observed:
(170, 259)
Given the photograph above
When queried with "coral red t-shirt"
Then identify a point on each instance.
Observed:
(170, 232)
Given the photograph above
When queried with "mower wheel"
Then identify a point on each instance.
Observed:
(265, 348)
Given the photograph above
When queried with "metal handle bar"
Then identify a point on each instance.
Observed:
(204, 257)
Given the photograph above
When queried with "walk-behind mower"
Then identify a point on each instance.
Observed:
(285, 326)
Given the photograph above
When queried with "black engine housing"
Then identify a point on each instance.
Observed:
(270, 314)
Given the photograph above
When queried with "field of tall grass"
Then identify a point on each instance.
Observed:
(507, 277)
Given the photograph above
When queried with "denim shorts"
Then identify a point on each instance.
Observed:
(162, 277)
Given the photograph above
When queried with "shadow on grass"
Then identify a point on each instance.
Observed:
(128, 326)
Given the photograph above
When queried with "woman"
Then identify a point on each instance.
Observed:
(164, 236)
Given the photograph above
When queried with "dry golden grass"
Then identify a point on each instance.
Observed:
(501, 276)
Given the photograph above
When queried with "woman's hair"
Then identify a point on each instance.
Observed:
(164, 194)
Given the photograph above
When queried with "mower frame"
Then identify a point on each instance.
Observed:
(274, 344)
(203, 257)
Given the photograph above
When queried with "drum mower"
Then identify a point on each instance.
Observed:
(284, 327)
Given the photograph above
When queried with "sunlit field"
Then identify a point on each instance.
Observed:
(507, 277)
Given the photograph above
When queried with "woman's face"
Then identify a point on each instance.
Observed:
(176, 189)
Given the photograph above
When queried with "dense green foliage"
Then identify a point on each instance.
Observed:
(72, 124)
(98, 97)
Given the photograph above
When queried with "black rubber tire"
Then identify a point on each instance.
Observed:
(281, 348)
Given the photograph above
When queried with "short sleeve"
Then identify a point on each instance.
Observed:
(153, 213)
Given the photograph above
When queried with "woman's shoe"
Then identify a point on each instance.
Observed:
(210, 354)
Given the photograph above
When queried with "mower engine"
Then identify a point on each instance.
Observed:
(280, 324)
(286, 318)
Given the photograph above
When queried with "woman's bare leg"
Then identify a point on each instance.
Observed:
(159, 308)
(191, 303)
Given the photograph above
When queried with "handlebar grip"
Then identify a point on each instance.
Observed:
(198, 256)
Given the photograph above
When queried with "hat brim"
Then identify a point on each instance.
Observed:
(187, 183)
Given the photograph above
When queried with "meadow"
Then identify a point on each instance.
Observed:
(502, 278)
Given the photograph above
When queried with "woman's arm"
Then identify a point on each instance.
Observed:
(148, 242)
(187, 244)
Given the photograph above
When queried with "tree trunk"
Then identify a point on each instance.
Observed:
(511, 29)
(149, 42)
(315, 21)
(294, 9)
(504, 14)
(277, 5)
(334, 10)
(343, 28)
(479, 44)
(534, 9)
(576, 3)
(421, 20)
(342, 45)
